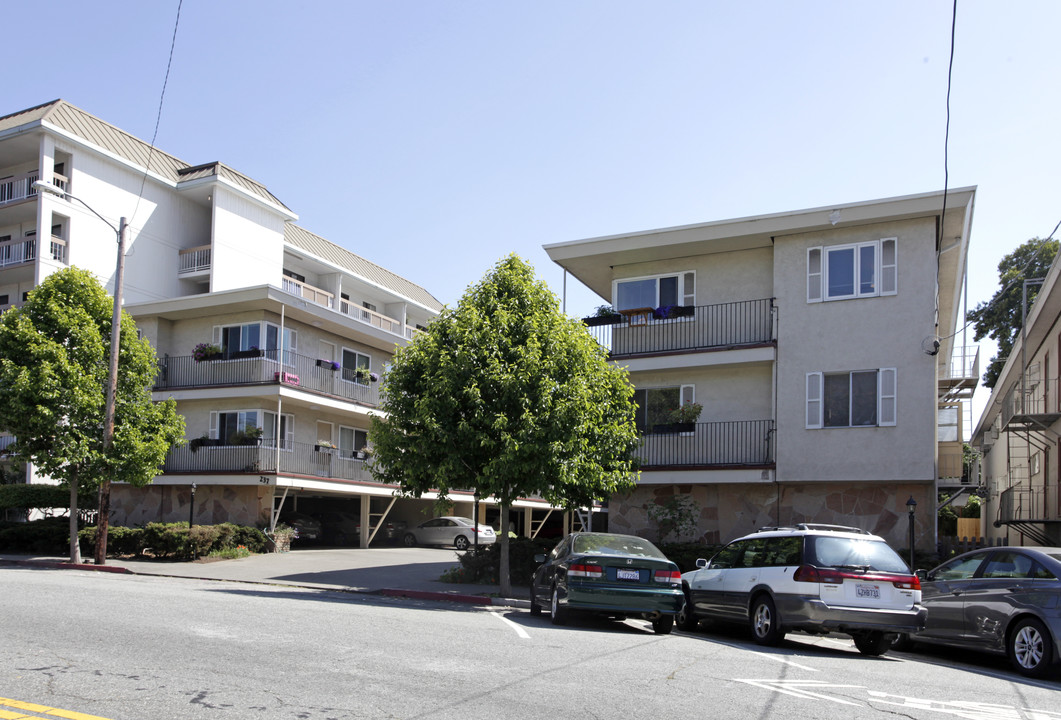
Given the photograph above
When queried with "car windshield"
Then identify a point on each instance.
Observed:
(851, 553)
(604, 544)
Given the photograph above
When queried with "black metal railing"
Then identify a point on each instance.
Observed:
(262, 367)
(738, 443)
(295, 458)
(1025, 503)
(700, 327)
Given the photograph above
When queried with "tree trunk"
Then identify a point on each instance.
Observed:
(506, 583)
(75, 546)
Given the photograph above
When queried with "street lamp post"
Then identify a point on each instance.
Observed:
(112, 378)
(911, 507)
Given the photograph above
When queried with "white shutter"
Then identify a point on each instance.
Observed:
(689, 289)
(217, 335)
(814, 274)
(213, 424)
(888, 266)
(289, 431)
(688, 394)
(886, 410)
(814, 400)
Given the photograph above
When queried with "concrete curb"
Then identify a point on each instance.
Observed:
(69, 566)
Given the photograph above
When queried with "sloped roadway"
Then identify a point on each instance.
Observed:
(148, 646)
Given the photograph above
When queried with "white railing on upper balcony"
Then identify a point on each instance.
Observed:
(58, 249)
(371, 317)
(313, 294)
(195, 259)
(964, 363)
(20, 187)
(16, 252)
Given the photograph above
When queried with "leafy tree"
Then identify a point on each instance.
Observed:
(506, 396)
(54, 354)
(1000, 317)
(677, 515)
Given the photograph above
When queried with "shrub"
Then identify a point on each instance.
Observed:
(250, 537)
(485, 566)
(48, 536)
(684, 555)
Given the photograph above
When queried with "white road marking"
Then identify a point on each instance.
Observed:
(777, 658)
(801, 689)
(519, 631)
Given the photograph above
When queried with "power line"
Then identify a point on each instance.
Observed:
(158, 115)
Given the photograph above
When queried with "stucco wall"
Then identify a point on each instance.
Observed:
(241, 505)
(248, 243)
(720, 277)
(858, 334)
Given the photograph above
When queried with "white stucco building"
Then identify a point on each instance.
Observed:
(821, 344)
(304, 328)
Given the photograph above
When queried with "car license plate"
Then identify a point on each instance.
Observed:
(867, 591)
(625, 574)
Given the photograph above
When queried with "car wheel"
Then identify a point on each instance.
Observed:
(663, 625)
(686, 620)
(535, 608)
(873, 643)
(1030, 648)
(766, 628)
(460, 542)
(410, 539)
(901, 642)
(556, 613)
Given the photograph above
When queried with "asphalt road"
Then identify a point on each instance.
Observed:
(128, 647)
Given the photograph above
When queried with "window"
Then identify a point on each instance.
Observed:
(653, 292)
(287, 431)
(3, 299)
(236, 338)
(863, 398)
(351, 440)
(272, 336)
(352, 361)
(654, 405)
(947, 423)
(842, 272)
(228, 426)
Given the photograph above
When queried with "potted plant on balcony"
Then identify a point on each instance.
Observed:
(251, 352)
(324, 446)
(206, 351)
(681, 420)
(248, 436)
(203, 440)
(364, 375)
(604, 315)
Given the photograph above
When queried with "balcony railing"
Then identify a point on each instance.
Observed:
(702, 327)
(371, 317)
(1021, 502)
(313, 294)
(261, 367)
(1033, 401)
(743, 443)
(194, 259)
(20, 187)
(16, 252)
(297, 459)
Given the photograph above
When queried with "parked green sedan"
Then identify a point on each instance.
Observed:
(608, 574)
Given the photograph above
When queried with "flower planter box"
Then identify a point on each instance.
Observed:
(597, 320)
(674, 428)
(286, 377)
(323, 449)
(328, 365)
(244, 354)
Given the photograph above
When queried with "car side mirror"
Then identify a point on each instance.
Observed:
(539, 559)
(701, 563)
(923, 575)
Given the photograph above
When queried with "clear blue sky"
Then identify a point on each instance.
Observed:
(436, 137)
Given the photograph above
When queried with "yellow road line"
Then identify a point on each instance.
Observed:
(44, 709)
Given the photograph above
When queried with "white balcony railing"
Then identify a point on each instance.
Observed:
(195, 259)
(371, 317)
(313, 294)
(20, 187)
(16, 252)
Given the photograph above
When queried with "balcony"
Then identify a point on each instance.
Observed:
(194, 260)
(17, 252)
(1031, 405)
(299, 459)
(260, 367)
(648, 331)
(313, 294)
(20, 187)
(959, 378)
(737, 444)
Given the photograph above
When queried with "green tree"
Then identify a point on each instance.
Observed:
(506, 396)
(1000, 317)
(53, 373)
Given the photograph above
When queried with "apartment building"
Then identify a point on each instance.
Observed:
(272, 339)
(820, 344)
(1019, 433)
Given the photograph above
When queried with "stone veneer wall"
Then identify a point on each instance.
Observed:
(729, 511)
(239, 504)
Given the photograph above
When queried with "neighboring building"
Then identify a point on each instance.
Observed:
(1019, 432)
(278, 419)
(810, 339)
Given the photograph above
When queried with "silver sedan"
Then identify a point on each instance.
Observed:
(456, 531)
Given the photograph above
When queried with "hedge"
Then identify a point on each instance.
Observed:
(24, 496)
(175, 540)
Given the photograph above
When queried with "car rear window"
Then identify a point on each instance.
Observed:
(604, 544)
(849, 552)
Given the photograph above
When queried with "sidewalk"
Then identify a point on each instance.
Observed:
(395, 571)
